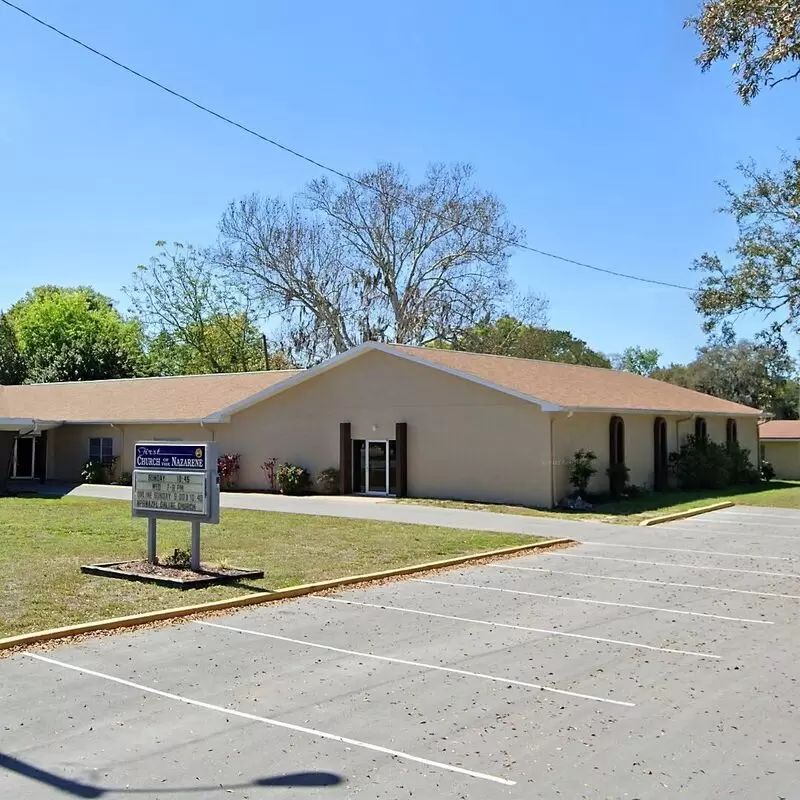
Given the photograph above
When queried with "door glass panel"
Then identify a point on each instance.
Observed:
(24, 458)
(392, 467)
(359, 465)
(377, 467)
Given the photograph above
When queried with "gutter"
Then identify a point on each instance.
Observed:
(664, 412)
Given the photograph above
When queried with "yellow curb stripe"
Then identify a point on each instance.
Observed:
(691, 512)
(260, 597)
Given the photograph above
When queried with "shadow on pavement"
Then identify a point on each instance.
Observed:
(74, 788)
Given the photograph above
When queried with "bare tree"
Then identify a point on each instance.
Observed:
(378, 258)
(201, 319)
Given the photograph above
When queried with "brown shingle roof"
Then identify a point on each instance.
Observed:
(198, 397)
(576, 387)
(178, 399)
(780, 429)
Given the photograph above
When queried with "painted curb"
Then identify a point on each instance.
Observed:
(691, 512)
(260, 597)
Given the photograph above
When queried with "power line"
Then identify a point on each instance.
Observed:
(333, 170)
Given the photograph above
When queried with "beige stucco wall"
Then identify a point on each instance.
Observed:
(464, 441)
(785, 458)
(70, 444)
(591, 431)
(747, 433)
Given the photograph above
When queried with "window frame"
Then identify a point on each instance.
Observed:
(731, 431)
(616, 431)
(102, 456)
(700, 429)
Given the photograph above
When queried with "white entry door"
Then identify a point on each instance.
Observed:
(377, 466)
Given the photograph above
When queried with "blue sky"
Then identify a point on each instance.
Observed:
(589, 120)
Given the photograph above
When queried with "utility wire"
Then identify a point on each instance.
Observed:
(333, 170)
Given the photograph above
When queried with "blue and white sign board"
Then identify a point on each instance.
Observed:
(176, 481)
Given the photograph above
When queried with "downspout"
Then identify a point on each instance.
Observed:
(677, 428)
(552, 462)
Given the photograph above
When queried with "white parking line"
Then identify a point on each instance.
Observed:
(705, 533)
(646, 580)
(790, 517)
(749, 524)
(594, 602)
(684, 550)
(420, 664)
(274, 722)
(547, 631)
(559, 554)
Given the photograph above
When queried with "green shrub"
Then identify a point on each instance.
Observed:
(767, 471)
(180, 559)
(125, 479)
(94, 472)
(740, 468)
(328, 481)
(292, 479)
(632, 490)
(617, 479)
(581, 469)
(703, 464)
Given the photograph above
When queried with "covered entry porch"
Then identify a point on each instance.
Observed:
(23, 451)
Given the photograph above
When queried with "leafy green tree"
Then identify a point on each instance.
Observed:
(509, 336)
(642, 361)
(763, 273)
(761, 38)
(745, 372)
(200, 317)
(76, 334)
(12, 363)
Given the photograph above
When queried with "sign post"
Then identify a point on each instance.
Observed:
(177, 481)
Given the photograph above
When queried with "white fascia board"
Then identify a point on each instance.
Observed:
(12, 423)
(662, 412)
(115, 422)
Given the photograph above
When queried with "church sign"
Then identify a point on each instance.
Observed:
(175, 481)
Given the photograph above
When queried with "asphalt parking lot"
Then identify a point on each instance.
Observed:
(647, 663)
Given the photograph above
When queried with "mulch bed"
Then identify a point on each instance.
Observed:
(176, 577)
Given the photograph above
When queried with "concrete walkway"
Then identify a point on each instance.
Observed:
(377, 509)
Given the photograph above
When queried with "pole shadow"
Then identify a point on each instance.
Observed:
(74, 788)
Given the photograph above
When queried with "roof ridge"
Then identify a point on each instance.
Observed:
(519, 358)
(154, 378)
(424, 348)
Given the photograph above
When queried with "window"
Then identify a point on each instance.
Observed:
(616, 435)
(660, 454)
(731, 434)
(101, 449)
(700, 429)
(616, 455)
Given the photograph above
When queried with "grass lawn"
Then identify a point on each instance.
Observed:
(44, 541)
(780, 494)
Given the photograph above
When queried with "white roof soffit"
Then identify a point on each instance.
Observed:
(21, 423)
